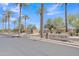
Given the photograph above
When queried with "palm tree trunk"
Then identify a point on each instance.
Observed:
(8, 24)
(20, 6)
(5, 23)
(66, 24)
(14, 26)
(3, 26)
(25, 25)
(41, 20)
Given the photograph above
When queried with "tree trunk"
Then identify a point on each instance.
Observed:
(25, 24)
(5, 22)
(66, 24)
(8, 24)
(14, 26)
(20, 6)
(41, 20)
(3, 26)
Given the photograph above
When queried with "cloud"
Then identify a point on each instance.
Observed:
(54, 13)
(54, 7)
(5, 3)
(0, 15)
(53, 10)
(4, 6)
(16, 9)
(13, 19)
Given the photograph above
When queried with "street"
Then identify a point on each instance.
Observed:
(27, 47)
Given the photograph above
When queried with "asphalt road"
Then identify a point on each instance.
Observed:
(27, 47)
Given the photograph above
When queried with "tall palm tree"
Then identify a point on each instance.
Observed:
(41, 20)
(25, 18)
(65, 12)
(14, 24)
(66, 24)
(20, 13)
(3, 21)
(9, 14)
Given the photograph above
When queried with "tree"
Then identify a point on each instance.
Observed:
(29, 27)
(66, 24)
(41, 12)
(42, 20)
(14, 24)
(74, 22)
(25, 18)
(58, 22)
(54, 23)
(20, 13)
(8, 15)
(3, 21)
(49, 25)
(34, 27)
(49, 21)
(22, 28)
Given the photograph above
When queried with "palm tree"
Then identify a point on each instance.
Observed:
(66, 24)
(25, 17)
(41, 20)
(9, 14)
(3, 21)
(20, 13)
(14, 24)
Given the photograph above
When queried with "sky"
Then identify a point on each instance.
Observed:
(52, 10)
